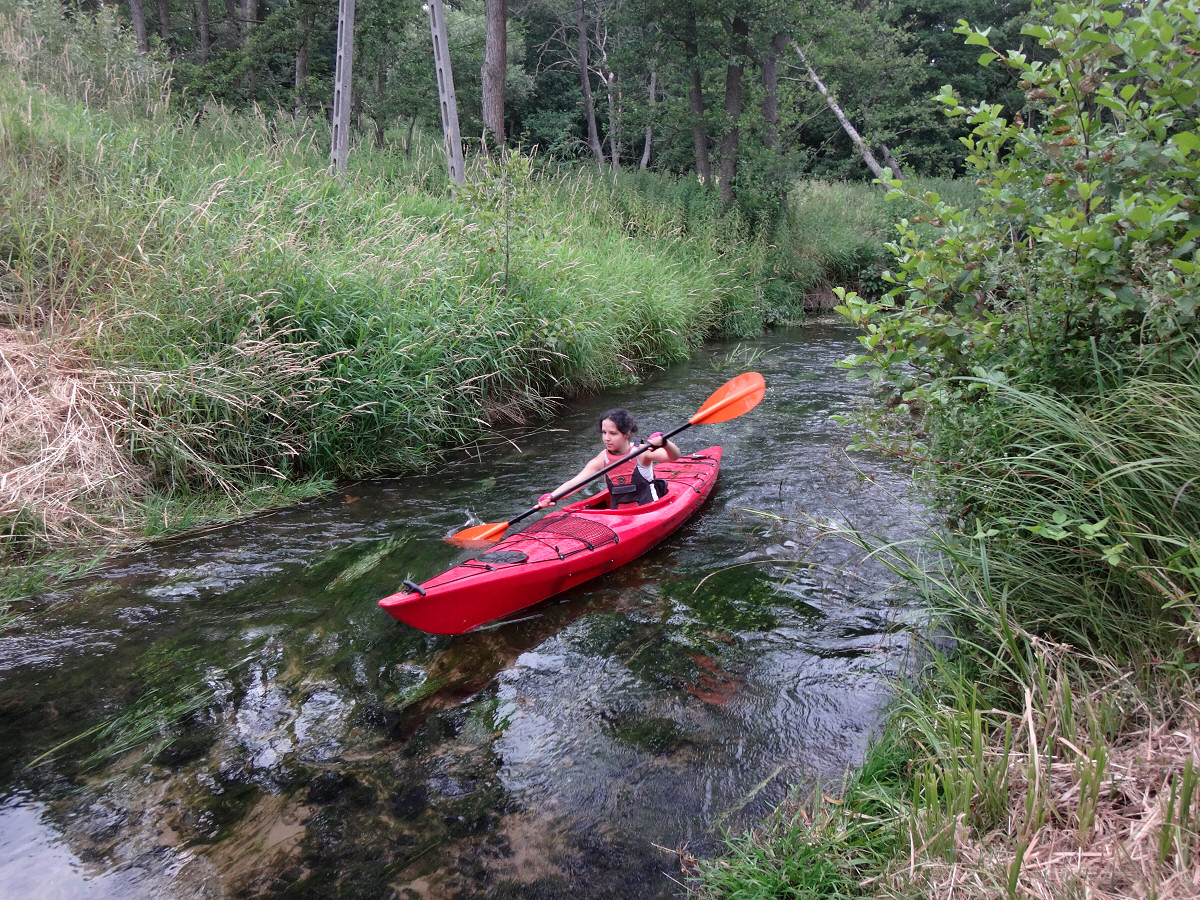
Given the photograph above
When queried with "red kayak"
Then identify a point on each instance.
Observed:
(562, 549)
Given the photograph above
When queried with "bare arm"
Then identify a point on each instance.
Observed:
(667, 451)
(574, 484)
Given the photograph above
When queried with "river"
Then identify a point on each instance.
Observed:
(230, 714)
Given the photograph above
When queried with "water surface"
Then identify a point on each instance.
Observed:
(231, 714)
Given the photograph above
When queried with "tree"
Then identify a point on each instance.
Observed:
(1080, 261)
(585, 81)
(851, 131)
(138, 17)
(495, 67)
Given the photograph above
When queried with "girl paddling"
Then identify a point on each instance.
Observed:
(630, 483)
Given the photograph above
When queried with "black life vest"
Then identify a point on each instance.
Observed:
(627, 484)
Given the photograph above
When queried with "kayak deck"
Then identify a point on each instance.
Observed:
(558, 551)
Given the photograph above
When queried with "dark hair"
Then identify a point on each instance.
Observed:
(623, 420)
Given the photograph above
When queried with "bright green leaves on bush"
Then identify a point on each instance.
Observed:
(1082, 253)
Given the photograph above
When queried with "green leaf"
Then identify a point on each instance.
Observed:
(986, 59)
(1187, 140)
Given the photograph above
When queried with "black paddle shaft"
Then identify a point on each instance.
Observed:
(636, 451)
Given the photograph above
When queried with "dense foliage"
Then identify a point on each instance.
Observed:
(1080, 262)
(661, 77)
(1046, 342)
(1049, 337)
(192, 307)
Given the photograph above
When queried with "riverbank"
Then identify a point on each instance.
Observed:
(1041, 356)
(198, 320)
(1055, 751)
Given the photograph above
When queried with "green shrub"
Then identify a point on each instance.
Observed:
(1081, 258)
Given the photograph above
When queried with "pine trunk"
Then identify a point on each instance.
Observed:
(203, 26)
(495, 61)
(164, 20)
(729, 144)
(770, 83)
(137, 17)
(233, 20)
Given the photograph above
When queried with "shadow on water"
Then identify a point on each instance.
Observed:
(231, 715)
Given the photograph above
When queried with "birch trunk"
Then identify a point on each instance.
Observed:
(302, 56)
(696, 103)
(855, 137)
(649, 127)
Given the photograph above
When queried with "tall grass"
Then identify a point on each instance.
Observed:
(1054, 753)
(238, 317)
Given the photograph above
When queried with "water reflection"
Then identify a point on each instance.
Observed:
(263, 728)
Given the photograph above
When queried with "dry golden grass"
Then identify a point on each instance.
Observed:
(64, 468)
(1104, 812)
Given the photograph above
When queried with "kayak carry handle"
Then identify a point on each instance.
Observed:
(413, 587)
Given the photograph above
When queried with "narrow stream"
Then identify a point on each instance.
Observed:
(231, 715)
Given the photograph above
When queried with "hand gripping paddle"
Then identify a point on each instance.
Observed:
(737, 396)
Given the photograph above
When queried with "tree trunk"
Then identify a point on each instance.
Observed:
(585, 85)
(855, 137)
(302, 57)
(249, 21)
(614, 121)
(137, 16)
(380, 92)
(740, 30)
(203, 20)
(890, 161)
(649, 129)
(451, 137)
(696, 103)
(770, 83)
(343, 78)
(233, 18)
(495, 62)
(164, 20)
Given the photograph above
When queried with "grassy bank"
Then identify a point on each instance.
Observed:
(1040, 359)
(1056, 752)
(197, 320)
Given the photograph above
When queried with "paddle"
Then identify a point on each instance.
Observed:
(737, 396)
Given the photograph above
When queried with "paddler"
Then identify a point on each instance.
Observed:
(632, 482)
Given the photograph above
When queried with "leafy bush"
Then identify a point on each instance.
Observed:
(1080, 262)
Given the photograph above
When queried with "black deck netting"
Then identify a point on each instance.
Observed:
(571, 526)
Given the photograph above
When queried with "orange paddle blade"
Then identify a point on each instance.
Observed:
(735, 397)
(477, 535)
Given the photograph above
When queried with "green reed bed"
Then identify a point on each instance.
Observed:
(231, 318)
